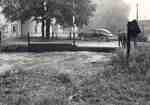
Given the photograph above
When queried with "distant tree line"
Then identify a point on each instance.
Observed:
(44, 10)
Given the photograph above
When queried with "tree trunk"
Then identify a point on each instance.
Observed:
(47, 28)
(43, 24)
(21, 29)
(128, 43)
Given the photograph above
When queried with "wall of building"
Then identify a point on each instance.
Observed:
(32, 27)
(16, 29)
(12, 29)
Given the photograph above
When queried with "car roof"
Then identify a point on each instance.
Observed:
(102, 29)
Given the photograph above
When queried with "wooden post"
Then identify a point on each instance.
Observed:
(0, 38)
(128, 43)
(28, 36)
(74, 39)
(52, 35)
(0, 41)
(70, 35)
(56, 35)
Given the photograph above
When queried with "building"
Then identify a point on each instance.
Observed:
(18, 29)
(145, 27)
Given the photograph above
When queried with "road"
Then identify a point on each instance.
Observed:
(112, 44)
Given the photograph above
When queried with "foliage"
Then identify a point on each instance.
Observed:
(62, 10)
(83, 12)
(111, 14)
(45, 10)
(19, 9)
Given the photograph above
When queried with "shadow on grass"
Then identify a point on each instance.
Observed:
(53, 47)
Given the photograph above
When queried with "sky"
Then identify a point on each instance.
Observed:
(144, 8)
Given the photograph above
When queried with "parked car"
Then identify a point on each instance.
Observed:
(101, 34)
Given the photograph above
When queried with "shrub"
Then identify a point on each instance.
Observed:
(63, 78)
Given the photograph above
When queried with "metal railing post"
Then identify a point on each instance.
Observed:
(74, 39)
(52, 35)
(28, 38)
(0, 38)
(0, 41)
(70, 35)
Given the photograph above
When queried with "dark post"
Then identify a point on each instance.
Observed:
(128, 42)
(0, 38)
(42, 28)
(47, 28)
(0, 41)
(52, 35)
(70, 35)
(56, 35)
(73, 21)
(74, 39)
(28, 36)
(119, 40)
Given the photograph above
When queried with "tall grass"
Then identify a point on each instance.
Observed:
(20, 87)
(41, 87)
(138, 63)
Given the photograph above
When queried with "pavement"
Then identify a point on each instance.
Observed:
(20, 45)
(112, 44)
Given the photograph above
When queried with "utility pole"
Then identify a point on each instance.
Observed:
(143, 23)
(137, 18)
(73, 21)
(137, 11)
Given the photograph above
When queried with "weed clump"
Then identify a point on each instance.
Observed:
(63, 78)
(138, 63)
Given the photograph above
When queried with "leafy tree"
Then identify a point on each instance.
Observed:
(83, 11)
(44, 10)
(23, 10)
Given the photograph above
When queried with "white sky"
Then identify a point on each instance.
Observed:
(144, 8)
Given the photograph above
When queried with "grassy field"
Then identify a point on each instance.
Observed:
(75, 78)
(46, 78)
